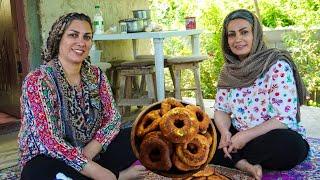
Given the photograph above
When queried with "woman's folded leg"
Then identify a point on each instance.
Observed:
(43, 167)
(279, 149)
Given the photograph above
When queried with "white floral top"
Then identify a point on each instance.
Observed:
(273, 95)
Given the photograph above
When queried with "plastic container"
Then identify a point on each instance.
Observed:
(98, 24)
(95, 54)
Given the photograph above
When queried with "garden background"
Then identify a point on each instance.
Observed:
(301, 17)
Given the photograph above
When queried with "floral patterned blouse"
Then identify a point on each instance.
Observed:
(45, 128)
(273, 95)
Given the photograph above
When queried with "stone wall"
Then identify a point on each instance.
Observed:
(113, 11)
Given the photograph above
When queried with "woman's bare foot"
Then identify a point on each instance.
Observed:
(254, 170)
(133, 172)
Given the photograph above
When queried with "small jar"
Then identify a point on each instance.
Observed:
(123, 27)
(190, 22)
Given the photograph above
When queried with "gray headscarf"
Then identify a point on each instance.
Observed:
(237, 74)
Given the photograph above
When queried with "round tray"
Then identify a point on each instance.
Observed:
(173, 172)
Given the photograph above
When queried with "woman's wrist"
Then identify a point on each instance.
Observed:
(222, 121)
(89, 169)
(224, 131)
(92, 149)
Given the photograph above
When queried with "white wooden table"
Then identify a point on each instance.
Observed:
(157, 38)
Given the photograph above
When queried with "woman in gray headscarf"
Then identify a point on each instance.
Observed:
(69, 121)
(257, 107)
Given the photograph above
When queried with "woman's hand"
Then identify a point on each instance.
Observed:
(133, 172)
(104, 174)
(225, 142)
(238, 141)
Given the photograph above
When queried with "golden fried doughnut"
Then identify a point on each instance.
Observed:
(217, 176)
(209, 137)
(188, 178)
(150, 122)
(179, 125)
(199, 178)
(155, 152)
(168, 104)
(195, 152)
(180, 165)
(202, 117)
(205, 172)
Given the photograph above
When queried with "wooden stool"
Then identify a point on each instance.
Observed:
(113, 76)
(148, 57)
(176, 64)
(103, 66)
(128, 91)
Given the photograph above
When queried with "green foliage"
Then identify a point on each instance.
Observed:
(212, 19)
(303, 12)
(210, 14)
(305, 50)
(272, 16)
(171, 13)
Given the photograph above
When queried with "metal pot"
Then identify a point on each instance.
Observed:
(142, 14)
(134, 25)
(146, 22)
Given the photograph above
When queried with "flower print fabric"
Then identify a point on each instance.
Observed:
(273, 95)
(45, 129)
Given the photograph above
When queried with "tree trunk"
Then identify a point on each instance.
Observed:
(257, 9)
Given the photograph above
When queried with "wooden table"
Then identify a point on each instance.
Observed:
(157, 38)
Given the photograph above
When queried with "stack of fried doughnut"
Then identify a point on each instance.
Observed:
(174, 136)
(208, 173)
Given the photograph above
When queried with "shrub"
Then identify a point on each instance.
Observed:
(305, 50)
(212, 19)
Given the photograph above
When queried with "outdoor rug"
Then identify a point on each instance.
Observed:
(307, 170)
(9, 156)
(9, 127)
(8, 124)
